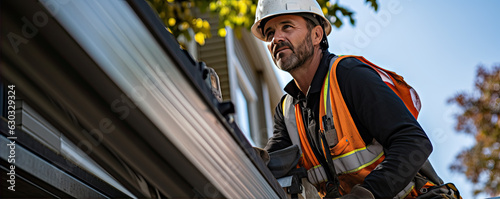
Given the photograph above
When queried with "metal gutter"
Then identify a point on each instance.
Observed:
(101, 64)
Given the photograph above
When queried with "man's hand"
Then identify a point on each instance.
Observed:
(358, 192)
(263, 154)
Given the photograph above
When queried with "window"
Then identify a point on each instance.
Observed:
(243, 93)
(242, 117)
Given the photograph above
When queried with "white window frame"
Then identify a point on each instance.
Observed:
(238, 78)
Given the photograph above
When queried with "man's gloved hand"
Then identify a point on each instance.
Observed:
(358, 192)
(263, 154)
(447, 190)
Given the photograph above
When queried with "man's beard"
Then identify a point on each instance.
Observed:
(298, 57)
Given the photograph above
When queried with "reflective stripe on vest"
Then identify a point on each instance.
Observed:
(289, 116)
(403, 193)
(316, 175)
(358, 159)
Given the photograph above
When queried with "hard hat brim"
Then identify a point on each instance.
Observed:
(258, 25)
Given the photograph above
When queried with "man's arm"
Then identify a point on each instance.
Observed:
(280, 138)
(379, 113)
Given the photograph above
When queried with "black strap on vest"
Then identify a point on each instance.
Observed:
(332, 185)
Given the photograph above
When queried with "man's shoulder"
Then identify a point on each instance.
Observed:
(351, 69)
(349, 63)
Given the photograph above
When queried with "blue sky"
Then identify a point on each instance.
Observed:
(435, 46)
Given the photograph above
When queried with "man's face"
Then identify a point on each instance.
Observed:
(289, 41)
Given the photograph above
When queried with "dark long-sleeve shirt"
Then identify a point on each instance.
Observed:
(378, 114)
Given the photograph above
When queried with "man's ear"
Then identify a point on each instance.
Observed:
(317, 35)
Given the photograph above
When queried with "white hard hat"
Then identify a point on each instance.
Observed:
(267, 9)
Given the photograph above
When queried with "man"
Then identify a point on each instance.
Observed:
(376, 146)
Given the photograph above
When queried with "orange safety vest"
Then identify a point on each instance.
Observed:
(352, 158)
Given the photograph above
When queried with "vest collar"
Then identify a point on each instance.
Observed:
(318, 79)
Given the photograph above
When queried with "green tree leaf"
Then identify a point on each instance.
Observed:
(373, 4)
